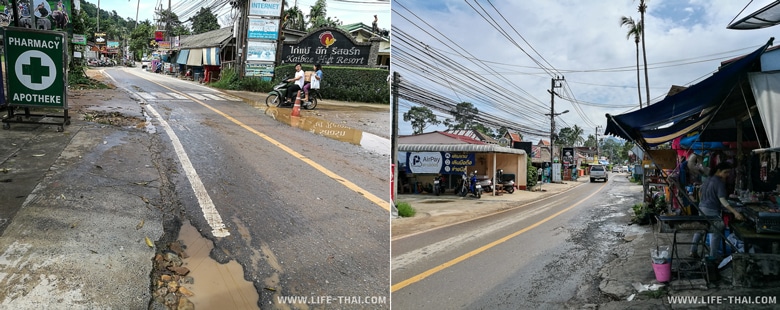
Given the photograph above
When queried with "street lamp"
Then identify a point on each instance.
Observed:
(552, 115)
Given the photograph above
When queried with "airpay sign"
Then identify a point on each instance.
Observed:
(35, 62)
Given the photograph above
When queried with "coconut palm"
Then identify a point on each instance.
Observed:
(634, 30)
(642, 10)
(294, 19)
(576, 133)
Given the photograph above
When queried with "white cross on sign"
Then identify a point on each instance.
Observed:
(35, 70)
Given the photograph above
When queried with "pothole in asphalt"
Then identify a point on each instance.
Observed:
(198, 280)
(114, 118)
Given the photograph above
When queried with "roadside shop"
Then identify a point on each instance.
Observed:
(424, 161)
(728, 117)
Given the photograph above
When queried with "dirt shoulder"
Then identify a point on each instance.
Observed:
(439, 211)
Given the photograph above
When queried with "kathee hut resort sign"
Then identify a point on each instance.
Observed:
(328, 46)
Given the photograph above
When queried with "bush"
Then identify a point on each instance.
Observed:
(532, 177)
(346, 83)
(405, 209)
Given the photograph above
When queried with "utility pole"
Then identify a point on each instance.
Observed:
(98, 17)
(394, 141)
(597, 142)
(552, 114)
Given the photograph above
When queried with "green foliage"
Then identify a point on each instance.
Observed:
(463, 116)
(228, 79)
(570, 136)
(645, 213)
(405, 209)
(318, 16)
(204, 21)
(420, 118)
(346, 83)
(294, 19)
(532, 174)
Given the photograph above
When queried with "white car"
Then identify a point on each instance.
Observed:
(146, 63)
(598, 172)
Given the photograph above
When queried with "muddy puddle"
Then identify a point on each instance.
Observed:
(215, 285)
(330, 130)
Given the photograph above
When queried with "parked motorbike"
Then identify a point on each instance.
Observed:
(508, 184)
(470, 185)
(485, 182)
(438, 185)
(277, 97)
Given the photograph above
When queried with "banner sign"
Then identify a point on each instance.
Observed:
(439, 162)
(164, 45)
(158, 36)
(258, 69)
(260, 51)
(568, 156)
(79, 39)
(100, 38)
(263, 29)
(39, 14)
(327, 47)
(265, 7)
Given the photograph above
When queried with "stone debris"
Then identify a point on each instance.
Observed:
(168, 277)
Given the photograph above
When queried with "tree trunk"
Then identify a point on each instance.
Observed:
(638, 82)
(642, 9)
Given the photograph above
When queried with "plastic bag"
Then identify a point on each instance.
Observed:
(661, 255)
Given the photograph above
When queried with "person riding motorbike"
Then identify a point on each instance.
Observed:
(299, 81)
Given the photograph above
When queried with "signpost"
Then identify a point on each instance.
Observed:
(35, 62)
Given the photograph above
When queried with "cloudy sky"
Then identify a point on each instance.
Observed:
(348, 11)
(579, 40)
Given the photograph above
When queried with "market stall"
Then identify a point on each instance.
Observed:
(727, 117)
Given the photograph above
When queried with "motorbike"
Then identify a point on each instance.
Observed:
(485, 182)
(470, 185)
(507, 184)
(438, 185)
(277, 97)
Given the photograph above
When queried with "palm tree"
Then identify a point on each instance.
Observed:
(294, 19)
(634, 30)
(576, 133)
(642, 10)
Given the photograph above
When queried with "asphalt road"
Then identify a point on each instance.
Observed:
(544, 255)
(303, 214)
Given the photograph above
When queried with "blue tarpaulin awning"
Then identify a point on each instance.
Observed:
(182, 58)
(211, 56)
(686, 111)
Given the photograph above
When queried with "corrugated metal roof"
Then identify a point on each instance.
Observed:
(214, 38)
(476, 148)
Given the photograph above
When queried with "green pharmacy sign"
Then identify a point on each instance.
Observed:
(35, 62)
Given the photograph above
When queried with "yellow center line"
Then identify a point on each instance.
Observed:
(483, 248)
(352, 186)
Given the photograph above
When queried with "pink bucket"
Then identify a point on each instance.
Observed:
(663, 272)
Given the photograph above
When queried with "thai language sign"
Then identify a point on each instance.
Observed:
(327, 47)
(439, 162)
